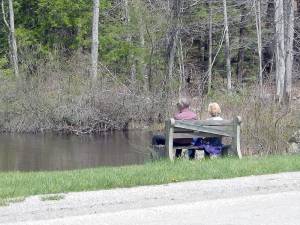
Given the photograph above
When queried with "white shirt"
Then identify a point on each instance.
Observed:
(215, 118)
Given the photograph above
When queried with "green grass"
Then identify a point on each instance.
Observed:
(22, 184)
(5, 202)
(52, 197)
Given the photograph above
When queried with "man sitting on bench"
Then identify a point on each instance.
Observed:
(184, 113)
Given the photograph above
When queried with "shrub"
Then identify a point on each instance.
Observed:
(266, 127)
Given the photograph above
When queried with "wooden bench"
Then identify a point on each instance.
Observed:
(180, 130)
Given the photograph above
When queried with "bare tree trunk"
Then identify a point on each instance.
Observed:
(150, 60)
(227, 47)
(95, 39)
(241, 55)
(280, 50)
(13, 42)
(289, 50)
(171, 49)
(127, 18)
(128, 39)
(182, 69)
(8, 27)
(210, 46)
(171, 58)
(142, 60)
(259, 43)
(269, 48)
(169, 74)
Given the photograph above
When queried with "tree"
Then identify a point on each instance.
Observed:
(129, 40)
(142, 58)
(12, 37)
(171, 46)
(289, 49)
(242, 34)
(210, 46)
(280, 49)
(227, 47)
(259, 43)
(95, 40)
(284, 49)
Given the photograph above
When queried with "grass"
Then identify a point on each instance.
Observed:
(22, 184)
(5, 202)
(52, 197)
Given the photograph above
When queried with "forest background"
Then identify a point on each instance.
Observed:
(87, 66)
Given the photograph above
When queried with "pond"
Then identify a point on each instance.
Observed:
(42, 152)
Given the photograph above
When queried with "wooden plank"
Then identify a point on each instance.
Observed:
(204, 135)
(226, 129)
(236, 140)
(205, 122)
(187, 127)
(182, 130)
(169, 138)
(219, 128)
(238, 137)
(193, 135)
(205, 129)
(189, 147)
(185, 135)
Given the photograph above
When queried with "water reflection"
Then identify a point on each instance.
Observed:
(28, 152)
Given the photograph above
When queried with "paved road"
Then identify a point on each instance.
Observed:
(271, 209)
(262, 200)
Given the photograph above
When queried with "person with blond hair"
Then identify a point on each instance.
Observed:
(212, 146)
(214, 111)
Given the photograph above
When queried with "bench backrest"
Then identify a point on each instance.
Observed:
(207, 128)
(210, 127)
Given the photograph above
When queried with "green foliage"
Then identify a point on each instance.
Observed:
(46, 25)
(4, 69)
(112, 46)
(61, 23)
(201, 12)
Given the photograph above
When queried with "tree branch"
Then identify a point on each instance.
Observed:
(3, 13)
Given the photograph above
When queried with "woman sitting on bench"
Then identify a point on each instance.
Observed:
(213, 145)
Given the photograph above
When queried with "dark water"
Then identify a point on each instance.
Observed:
(39, 152)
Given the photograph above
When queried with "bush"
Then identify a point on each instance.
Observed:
(59, 96)
(266, 126)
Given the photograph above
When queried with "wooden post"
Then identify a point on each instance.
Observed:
(169, 126)
(236, 142)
